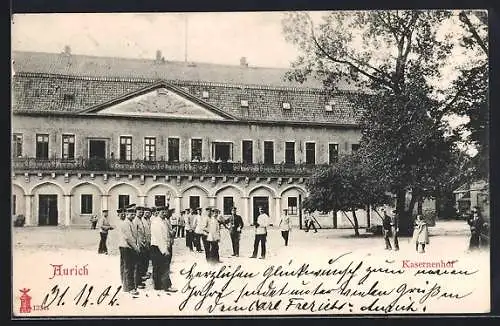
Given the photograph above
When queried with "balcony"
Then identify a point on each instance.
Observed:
(207, 169)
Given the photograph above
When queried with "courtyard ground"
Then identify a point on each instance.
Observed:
(36, 249)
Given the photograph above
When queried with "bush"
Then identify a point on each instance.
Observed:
(19, 221)
(429, 216)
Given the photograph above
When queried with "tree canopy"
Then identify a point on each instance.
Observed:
(395, 58)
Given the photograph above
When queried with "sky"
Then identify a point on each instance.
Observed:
(212, 37)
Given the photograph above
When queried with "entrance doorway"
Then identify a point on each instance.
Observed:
(47, 210)
(260, 202)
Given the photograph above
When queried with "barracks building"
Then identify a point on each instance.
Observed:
(93, 133)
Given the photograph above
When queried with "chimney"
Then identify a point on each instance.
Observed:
(159, 58)
(67, 50)
(243, 62)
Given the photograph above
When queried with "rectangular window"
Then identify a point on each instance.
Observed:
(247, 151)
(17, 145)
(13, 204)
(196, 149)
(355, 148)
(86, 204)
(194, 202)
(333, 153)
(290, 152)
(123, 201)
(68, 147)
(292, 205)
(173, 149)
(125, 148)
(150, 148)
(42, 146)
(310, 153)
(268, 152)
(160, 200)
(228, 204)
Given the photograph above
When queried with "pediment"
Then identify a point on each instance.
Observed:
(161, 101)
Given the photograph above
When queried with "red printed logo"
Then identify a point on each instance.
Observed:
(25, 301)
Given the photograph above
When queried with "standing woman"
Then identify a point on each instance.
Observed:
(285, 226)
(420, 234)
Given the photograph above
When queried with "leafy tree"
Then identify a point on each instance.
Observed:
(393, 56)
(470, 89)
(346, 186)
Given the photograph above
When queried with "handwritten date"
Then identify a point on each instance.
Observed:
(88, 295)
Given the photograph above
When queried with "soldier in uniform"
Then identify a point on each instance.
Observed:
(147, 228)
(261, 226)
(104, 227)
(198, 229)
(180, 225)
(188, 222)
(213, 236)
(174, 221)
(235, 227)
(390, 227)
(161, 238)
(203, 227)
(476, 224)
(121, 220)
(129, 251)
(141, 242)
(285, 226)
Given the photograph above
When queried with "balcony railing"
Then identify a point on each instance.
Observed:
(163, 167)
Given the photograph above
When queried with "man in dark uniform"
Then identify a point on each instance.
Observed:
(391, 228)
(476, 223)
(147, 227)
(235, 227)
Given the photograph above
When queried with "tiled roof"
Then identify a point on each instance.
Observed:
(92, 66)
(48, 86)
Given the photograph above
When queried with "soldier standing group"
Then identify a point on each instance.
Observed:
(144, 238)
(147, 234)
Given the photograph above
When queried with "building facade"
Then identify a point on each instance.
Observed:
(93, 133)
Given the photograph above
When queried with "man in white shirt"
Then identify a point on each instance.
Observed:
(160, 252)
(188, 222)
(285, 226)
(263, 222)
(198, 229)
(129, 250)
(213, 236)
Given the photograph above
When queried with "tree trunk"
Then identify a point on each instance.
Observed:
(419, 206)
(368, 217)
(404, 217)
(356, 224)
